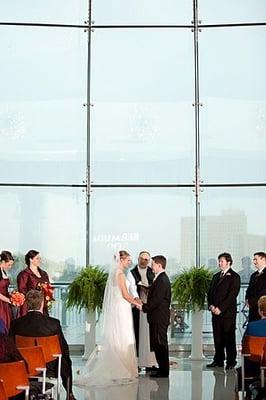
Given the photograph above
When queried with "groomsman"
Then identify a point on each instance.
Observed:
(222, 303)
(257, 285)
(158, 315)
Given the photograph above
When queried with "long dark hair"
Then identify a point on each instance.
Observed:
(30, 255)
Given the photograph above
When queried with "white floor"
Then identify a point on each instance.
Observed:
(189, 380)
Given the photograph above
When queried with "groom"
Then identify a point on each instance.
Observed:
(158, 315)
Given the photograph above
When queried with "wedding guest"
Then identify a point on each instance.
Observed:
(222, 303)
(31, 277)
(140, 279)
(35, 323)
(257, 285)
(256, 329)
(6, 262)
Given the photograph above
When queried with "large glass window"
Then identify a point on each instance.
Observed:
(48, 11)
(151, 219)
(52, 221)
(42, 118)
(147, 12)
(233, 116)
(231, 11)
(232, 220)
(142, 118)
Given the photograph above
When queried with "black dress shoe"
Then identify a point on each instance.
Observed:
(157, 374)
(151, 369)
(214, 364)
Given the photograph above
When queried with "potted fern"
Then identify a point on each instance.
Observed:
(87, 291)
(189, 289)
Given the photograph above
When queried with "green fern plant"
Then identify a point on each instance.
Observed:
(87, 289)
(190, 287)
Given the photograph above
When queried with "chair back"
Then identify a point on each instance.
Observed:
(14, 374)
(50, 346)
(34, 357)
(25, 341)
(255, 346)
(3, 395)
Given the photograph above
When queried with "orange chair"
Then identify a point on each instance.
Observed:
(3, 395)
(35, 360)
(52, 351)
(15, 378)
(25, 341)
(253, 348)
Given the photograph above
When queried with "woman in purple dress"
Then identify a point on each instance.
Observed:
(6, 261)
(31, 277)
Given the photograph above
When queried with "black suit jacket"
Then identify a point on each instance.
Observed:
(256, 289)
(34, 323)
(159, 300)
(223, 292)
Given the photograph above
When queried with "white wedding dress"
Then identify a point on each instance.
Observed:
(114, 362)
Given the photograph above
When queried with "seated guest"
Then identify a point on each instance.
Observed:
(35, 323)
(8, 350)
(256, 329)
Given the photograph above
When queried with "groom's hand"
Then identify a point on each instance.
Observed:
(138, 300)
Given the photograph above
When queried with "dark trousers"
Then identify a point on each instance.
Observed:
(224, 339)
(159, 344)
(66, 371)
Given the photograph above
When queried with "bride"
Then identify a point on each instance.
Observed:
(115, 362)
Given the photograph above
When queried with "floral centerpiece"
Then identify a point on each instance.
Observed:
(48, 293)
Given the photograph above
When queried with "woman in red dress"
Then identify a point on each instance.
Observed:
(6, 261)
(31, 277)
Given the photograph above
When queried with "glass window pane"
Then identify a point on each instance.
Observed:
(145, 12)
(53, 221)
(42, 118)
(48, 11)
(233, 116)
(142, 121)
(150, 219)
(232, 11)
(233, 220)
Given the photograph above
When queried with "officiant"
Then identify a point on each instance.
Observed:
(140, 279)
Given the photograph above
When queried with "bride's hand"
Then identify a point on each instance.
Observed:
(139, 307)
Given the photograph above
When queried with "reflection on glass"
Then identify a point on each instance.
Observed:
(233, 92)
(134, 219)
(49, 220)
(142, 120)
(42, 120)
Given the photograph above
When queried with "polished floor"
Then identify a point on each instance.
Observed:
(189, 380)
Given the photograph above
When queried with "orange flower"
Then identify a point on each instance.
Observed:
(48, 292)
(17, 298)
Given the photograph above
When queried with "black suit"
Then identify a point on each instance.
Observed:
(34, 323)
(256, 289)
(158, 315)
(136, 275)
(223, 294)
